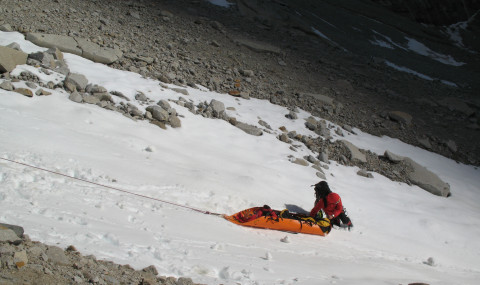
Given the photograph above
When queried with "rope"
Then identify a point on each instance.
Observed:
(114, 188)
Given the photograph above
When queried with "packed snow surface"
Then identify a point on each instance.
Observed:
(402, 234)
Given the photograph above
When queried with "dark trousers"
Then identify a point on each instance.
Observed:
(342, 217)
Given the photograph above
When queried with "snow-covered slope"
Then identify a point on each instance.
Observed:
(402, 234)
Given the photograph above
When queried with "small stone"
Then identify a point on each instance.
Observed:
(321, 175)
(78, 80)
(7, 85)
(24, 91)
(354, 153)
(339, 132)
(41, 92)
(6, 28)
(430, 261)
(20, 258)
(31, 85)
(425, 142)
(400, 117)
(71, 248)
(284, 138)
(452, 146)
(175, 122)
(393, 157)
(300, 161)
(76, 97)
(323, 157)
(141, 97)
(151, 269)
(291, 115)
(234, 93)
(150, 149)
(90, 99)
(364, 173)
(286, 239)
(181, 91)
(57, 255)
(349, 129)
(247, 73)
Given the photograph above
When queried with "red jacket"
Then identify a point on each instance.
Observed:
(334, 206)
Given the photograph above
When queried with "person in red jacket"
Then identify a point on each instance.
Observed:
(331, 204)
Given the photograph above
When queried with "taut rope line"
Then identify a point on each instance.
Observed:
(113, 188)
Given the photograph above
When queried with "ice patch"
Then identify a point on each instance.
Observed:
(221, 3)
(454, 30)
(388, 42)
(317, 32)
(381, 43)
(421, 75)
(415, 46)
(421, 49)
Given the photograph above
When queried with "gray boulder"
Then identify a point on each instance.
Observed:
(64, 43)
(364, 173)
(96, 53)
(322, 99)
(400, 117)
(259, 47)
(249, 129)
(6, 28)
(8, 235)
(264, 124)
(421, 176)
(354, 152)
(427, 180)
(393, 157)
(181, 91)
(76, 97)
(425, 142)
(323, 157)
(452, 146)
(10, 58)
(44, 58)
(57, 255)
(457, 105)
(78, 46)
(79, 81)
(90, 99)
(15, 46)
(321, 175)
(56, 53)
(17, 229)
(7, 85)
(300, 161)
(20, 258)
(311, 123)
(175, 121)
(218, 108)
(158, 113)
(164, 104)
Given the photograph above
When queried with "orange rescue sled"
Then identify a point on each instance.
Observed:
(264, 217)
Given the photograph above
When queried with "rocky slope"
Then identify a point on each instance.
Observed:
(255, 54)
(245, 51)
(23, 261)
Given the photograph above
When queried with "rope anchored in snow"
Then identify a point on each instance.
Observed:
(114, 188)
